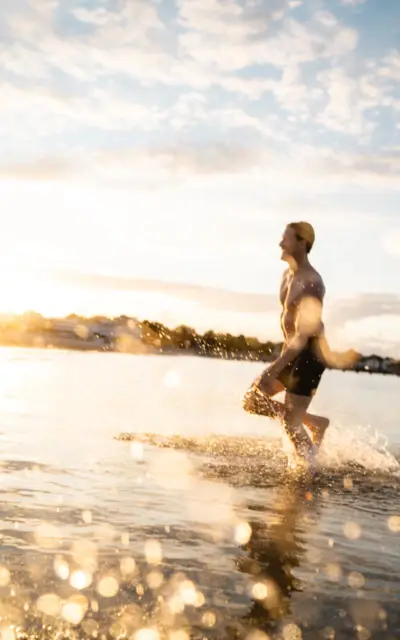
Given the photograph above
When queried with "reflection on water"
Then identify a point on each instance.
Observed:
(192, 535)
(274, 550)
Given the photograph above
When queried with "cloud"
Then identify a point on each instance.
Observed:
(391, 242)
(373, 334)
(363, 321)
(338, 310)
(348, 99)
(74, 78)
(43, 169)
(211, 297)
(352, 2)
(99, 48)
(365, 305)
(53, 113)
(134, 41)
(185, 163)
(389, 68)
(250, 36)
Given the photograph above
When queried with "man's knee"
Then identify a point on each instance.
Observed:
(248, 402)
(259, 403)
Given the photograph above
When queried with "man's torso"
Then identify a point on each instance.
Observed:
(292, 292)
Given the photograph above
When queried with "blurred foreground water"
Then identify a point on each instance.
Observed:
(139, 501)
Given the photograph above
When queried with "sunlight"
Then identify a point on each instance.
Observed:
(21, 292)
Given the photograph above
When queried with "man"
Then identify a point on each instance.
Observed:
(299, 368)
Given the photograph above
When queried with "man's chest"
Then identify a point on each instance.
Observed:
(291, 291)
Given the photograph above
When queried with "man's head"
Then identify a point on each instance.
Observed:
(297, 240)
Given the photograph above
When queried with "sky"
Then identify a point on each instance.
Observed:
(154, 150)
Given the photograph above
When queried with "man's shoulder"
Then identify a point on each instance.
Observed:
(312, 281)
(285, 274)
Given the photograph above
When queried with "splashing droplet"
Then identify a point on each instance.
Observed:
(333, 572)
(108, 587)
(292, 632)
(80, 580)
(352, 530)
(243, 533)
(127, 566)
(61, 568)
(147, 634)
(74, 610)
(49, 604)
(394, 524)
(209, 619)
(5, 577)
(187, 592)
(356, 580)
(260, 591)
(155, 579)
(153, 552)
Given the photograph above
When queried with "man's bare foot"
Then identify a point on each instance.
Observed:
(317, 427)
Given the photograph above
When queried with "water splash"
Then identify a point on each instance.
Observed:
(343, 447)
(357, 458)
(357, 445)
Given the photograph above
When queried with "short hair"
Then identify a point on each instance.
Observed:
(304, 231)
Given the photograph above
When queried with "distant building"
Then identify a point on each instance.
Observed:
(117, 328)
(377, 364)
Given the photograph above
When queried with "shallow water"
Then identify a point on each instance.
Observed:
(139, 501)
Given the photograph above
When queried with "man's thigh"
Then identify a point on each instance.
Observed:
(270, 386)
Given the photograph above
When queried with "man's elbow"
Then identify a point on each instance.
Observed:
(299, 342)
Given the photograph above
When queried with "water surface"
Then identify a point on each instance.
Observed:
(139, 501)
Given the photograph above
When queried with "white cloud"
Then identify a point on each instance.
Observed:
(190, 109)
(348, 100)
(353, 2)
(368, 323)
(28, 112)
(391, 242)
(376, 334)
(216, 163)
(248, 39)
(128, 40)
(133, 21)
(389, 68)
(326, 18)
(218, 38)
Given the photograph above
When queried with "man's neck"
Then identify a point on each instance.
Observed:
(300, 262)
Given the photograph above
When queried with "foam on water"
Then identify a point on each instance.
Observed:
(360, 445)
(360, 450)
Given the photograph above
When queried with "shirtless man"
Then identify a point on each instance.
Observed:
(299, 368)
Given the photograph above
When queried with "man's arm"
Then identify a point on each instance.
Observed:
(308, 321)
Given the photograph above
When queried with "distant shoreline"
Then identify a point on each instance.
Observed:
(124, 334)
(83, 346)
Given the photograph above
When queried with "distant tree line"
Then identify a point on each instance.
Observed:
(209, 343)
(15, 330)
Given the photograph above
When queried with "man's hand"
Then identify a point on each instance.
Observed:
(265, 377)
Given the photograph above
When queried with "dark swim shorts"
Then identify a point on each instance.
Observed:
(302, 376)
